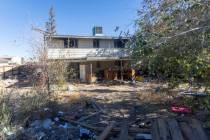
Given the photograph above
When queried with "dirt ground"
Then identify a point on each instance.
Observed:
(93, 107)
(131, 101)
(118, 101)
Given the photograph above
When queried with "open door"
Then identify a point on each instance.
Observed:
(82, 73)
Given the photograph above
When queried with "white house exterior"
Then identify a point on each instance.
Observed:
(6, 60)
(7, 64)
(91, 56)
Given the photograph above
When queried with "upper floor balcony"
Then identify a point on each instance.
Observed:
(88, 53)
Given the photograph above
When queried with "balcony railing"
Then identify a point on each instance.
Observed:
(87, 53)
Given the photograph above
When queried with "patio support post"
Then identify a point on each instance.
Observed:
(4, 75)
(91, 71)
(121, 70)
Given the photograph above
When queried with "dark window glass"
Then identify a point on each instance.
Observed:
(119, 43)
(99, 30)
(95, 43)
(65, 43)
(70, 43)
(76, 43)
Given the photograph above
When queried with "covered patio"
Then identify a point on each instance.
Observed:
(93, 70)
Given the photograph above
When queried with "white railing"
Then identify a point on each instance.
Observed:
(85, 53)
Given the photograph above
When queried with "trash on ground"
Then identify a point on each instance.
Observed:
(181, 109)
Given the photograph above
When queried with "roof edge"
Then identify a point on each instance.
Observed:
(88, 37)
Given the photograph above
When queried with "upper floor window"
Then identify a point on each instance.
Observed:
(95, 43)
(70, 43)
(119, 43)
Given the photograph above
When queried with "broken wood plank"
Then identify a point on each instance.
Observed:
(100, 129)
(163, 130)
(96, 106)
(124, 131)
(136, 121)
(89, 116)
(175, 130)
(187, 131)
(197, 128)
(155, 131)
(106, 131)
(80, 123)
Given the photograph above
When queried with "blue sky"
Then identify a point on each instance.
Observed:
(72, 17)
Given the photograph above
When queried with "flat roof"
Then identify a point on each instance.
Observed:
(89, 37)
(89, 59)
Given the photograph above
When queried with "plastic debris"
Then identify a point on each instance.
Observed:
(65, 125)
(85, 133)
(40, 135)
(56, 119)
(143, 136)
(46, 109)
(7, 131)
(36, 124)
(47, 123)
(146, 124)
(60, 113)
(181, 109)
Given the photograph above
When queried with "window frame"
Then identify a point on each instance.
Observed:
(119, 41)
(96, 43)
(71, 43)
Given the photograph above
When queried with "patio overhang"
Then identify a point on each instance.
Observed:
(91, 59)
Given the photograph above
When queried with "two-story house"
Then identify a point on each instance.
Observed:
(96, 57)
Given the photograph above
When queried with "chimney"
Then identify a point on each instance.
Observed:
(97, 31)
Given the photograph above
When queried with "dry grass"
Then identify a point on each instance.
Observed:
(69, 98)
(16, 104)
(149, 95)
(153, 98)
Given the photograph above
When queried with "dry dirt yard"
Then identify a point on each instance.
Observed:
(118, 101)
(89, 108)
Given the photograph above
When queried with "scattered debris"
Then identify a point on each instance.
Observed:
(106, 131)
(40, 135)
(157, 90)
(60, 113)
(181, 109)
(86, 134)
(8, 131)
(175, 129)
(124, 131)
(143, 136)
(91, 115)
(89, 119)
(195, 94)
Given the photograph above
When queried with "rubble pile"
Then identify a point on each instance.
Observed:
(86, 122)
